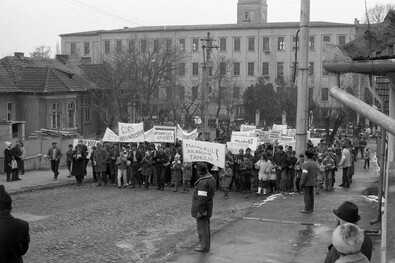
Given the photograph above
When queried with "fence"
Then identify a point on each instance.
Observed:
(35, 151)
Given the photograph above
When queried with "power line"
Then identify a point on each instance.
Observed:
(102, 12)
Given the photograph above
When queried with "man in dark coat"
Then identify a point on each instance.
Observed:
(8, 156)
(202, 205)
(17, 153)
(348, 213)
(100, 161)
(280, 163)
(308, 181)
(135, 156)
(14, 232)
(161, 160)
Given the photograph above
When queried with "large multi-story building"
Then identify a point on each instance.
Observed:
(255, 47)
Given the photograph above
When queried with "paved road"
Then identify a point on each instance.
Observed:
(106, 224)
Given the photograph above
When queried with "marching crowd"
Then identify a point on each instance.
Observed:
(272, 168)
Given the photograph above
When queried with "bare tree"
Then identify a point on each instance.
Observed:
(377, 13)
(41, 52)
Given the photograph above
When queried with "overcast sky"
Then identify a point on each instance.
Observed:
(26, 24)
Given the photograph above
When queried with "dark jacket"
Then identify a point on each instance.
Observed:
(139, 156)
(309, 173)
(203, 195)
(8, 156)
(161, 158)
(100, 157)
(280, 159)
(146, 165)
(78, 163)
(366, 249)
(58, 154)
(14, 239)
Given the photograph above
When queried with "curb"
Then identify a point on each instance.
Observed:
(43, 187)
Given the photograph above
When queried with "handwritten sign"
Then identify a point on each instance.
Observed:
(131, 132)
(110, 136)
(252, 141)
(234, 147)
(278, 127)
(198, 151)
(243, 133)
(263, 136)
(165, 134)
(275, 134)
(89, 143)
(248, 128)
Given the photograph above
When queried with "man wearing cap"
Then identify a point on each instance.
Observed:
(348, 213)
(55, 154)
(202, 205)
(14, 232)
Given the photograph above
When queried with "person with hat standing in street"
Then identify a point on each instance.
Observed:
(345, 164)
(14, 232)
(54, 155)
(202, 205)
(348, 213)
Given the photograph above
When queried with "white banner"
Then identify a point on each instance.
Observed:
(183, 135)
(244, 133)
(282, 128)
(234, 147)
(198, 151)
(131, 132)
(263, 136)
(250, 140)
(165, 134)
(88, 143)
(291, 132)
(275, 134)
(247, 128)
(287, 144)
(287, 138)
(110, 136)
(149, 135)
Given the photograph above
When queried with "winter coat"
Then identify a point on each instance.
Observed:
(265, 168)
(226, 175)
(203, 195)
(280, 160)
(345, 160)
(123, 158)
(8, 156)
(100, 157)
(353, 258)
(79, 160)
(58, 154)
(187, 172)
(15, 239)
(139, 156)
(366, 154)
(146, 165)
(309, 173)
(162, 159)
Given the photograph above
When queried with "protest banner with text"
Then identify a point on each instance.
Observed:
(198, 151)
(234, 147)
(110, 136)
(252, 141)
(131, 132)
(184, 135)
(248, 128)
(165, 134)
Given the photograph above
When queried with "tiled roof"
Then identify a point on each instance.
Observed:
(376, 43)
(273, 25)
(40, 75)
(97, 73)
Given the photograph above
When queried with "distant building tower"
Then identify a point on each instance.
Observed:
(251, 11)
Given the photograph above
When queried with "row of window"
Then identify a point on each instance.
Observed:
(250, 69)
(223, 44)
(59, 120)
(181, 91)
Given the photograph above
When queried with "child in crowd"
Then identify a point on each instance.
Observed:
(320, 176)
(347, 239)
(187, 176)
(366, 157)
(225, 176)
(176, 172)
(329, 165)
(298, 170)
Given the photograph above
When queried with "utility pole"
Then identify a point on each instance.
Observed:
(208, 46)
(303, 89)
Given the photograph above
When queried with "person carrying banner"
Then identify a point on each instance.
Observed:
(202, 205)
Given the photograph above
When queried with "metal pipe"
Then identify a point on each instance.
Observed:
(361, 66)
(381, 178)
(364, 109)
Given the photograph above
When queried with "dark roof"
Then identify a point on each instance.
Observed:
(98, 74)
(273, 25)
(20, 74)
(376, 43)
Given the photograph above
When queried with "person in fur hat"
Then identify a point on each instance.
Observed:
(347, 239)
(14, 232)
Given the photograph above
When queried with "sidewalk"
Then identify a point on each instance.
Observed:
(276, 231)
(40, 179)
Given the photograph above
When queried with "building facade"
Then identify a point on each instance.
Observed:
(255, 48)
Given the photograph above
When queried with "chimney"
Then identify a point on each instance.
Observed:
(64, 58)
(19, 55)
(86, 60)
